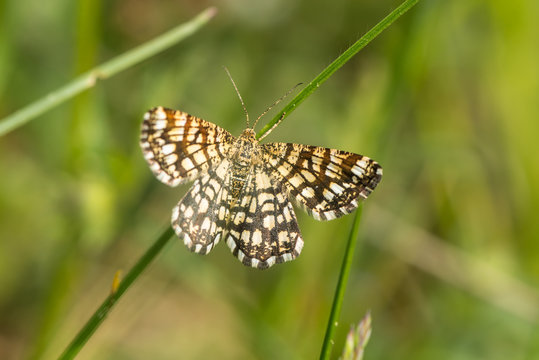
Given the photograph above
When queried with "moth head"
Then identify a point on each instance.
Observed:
(249, 135)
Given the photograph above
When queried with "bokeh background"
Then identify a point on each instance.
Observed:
(446, 100)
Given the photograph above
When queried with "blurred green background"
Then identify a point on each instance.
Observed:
(446, 100)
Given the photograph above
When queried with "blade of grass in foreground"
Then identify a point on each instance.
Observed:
(118, 290)
(97, 318)
(104, 71)
(337, 64)
(349, 251)
(341, 285)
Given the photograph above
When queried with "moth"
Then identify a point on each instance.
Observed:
(243, 189)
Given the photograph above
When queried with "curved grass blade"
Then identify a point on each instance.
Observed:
(118, 290)
(104, 71)
(341, 285)
(347, 260)
(336, 65)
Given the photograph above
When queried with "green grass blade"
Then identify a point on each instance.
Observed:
(337, 64)
(97, 318)
(309, 89)
(341, 285)
(104, 71)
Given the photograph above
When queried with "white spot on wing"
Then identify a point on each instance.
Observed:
(328, 195)
(257, 237)
(245, 236)
(241, 255)
(175, 213)
(206, 224)
(231, 243)
(252, 207)
(187, 164)
(271, 261)
(307, 192)
(159, 124)
(159, 113)
(170, 159)
(330, 215)
(358, 171)
(168, 149)
(268, 207)
(269, 222)
(204, 205)
(308, 175)
(186, 239)
(283, 236)
(239, 218)
(199, 158)
(296, 181)
(286, 257)
(337, 189)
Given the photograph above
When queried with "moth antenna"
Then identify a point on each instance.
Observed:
(239, 95)
(275, 103)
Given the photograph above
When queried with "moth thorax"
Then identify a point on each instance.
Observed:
(247, 151)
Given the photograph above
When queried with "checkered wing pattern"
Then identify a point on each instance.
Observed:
(200, 217)
(180, 147)
(242, 189)
(263, 229)
(327, 183)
